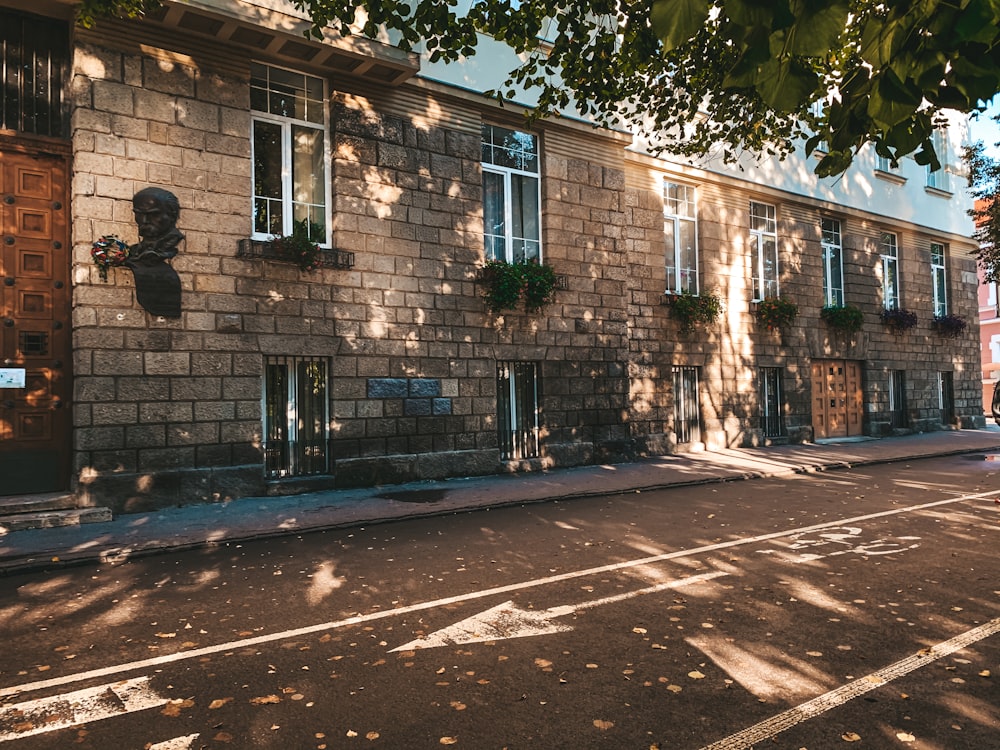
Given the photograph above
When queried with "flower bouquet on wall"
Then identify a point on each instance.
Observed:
(108, 251)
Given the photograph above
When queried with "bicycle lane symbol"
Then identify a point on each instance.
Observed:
(844, 540)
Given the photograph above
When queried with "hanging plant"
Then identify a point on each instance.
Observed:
(691, 310)
(298, 246)
(846, 318)
(504, 284)
(108, 252)
(539, 286)
(776, 312)
(898, 320)
(949, 326)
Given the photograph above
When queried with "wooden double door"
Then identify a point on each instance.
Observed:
(837, 401)
(35, 330)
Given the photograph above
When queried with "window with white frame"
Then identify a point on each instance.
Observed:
(763, 250)
(296, 416)
(687, 411)
(883, 163)
(898, 416)
(517, 410)
(889, 247)
(939, 279)
(511, 195)
(771, 422)
(833, 264)
(680, 227)
(938, 179)
(291, 172)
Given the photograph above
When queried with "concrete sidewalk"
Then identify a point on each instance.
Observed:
(255, 518)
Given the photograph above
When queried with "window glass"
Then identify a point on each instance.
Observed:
(890, 271)
(833, 264)
(511, 197)
(681, 235)
(763, 250)
(290, 161)
(517, 410)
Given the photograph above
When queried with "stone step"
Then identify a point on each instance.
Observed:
(36, 503)
(52, 519)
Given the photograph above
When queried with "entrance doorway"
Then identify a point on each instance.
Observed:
(836, 398)
(35, 326)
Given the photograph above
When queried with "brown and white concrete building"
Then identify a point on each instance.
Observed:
(384, 364)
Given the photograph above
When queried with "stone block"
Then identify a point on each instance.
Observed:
(441, 406)
(387, 388)
(417, 407)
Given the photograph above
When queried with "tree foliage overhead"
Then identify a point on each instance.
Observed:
(984, 179)
(701, 75)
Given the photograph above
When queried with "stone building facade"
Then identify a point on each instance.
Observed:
(385, 365)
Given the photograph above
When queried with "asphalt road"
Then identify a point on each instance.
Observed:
(854, 609)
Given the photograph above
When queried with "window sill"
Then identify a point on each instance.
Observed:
(264, 250)
(938, 192)
(896, 179)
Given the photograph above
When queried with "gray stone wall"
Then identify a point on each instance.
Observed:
(169, 411)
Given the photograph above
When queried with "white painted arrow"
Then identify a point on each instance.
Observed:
(507, 620)
(80, 707)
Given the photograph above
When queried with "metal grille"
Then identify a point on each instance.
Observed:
(517, 410)
(687, 415)
(33, 58)
(946, 396)
(770, 402)
(897, 398)
(296, 416)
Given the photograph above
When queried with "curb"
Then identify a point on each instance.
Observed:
(118, 555)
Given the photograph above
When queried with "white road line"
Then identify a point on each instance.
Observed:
(769, 728)
(83, 706)
(471, 596)
(177, 743)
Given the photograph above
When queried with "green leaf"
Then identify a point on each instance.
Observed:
(979, 21)
(676, 21)
(786, 84)
(818, 26)
(892, 100)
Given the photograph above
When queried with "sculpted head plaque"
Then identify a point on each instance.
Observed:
(157, 286)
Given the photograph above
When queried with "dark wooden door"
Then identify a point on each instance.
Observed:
(35, 429)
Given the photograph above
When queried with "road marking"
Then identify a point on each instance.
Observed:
(507, 620)
(847, 545)
(82, 707)
(196, 653)
(177, 743)
(769, 728)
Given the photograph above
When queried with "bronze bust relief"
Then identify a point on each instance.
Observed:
(157, 285)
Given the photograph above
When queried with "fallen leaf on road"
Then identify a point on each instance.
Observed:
(457, 705)
(372, 736)
(264, 700)
(448, 740)
(166, 635)
(814, 653)
(223, 737)
(351, 733)
(985, 673)
(850, 737)
(173, 708)
(696, 675)
(905, 737)
(603, 725)
(219, 703)
(674, 688)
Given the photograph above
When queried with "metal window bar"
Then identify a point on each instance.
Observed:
(34, 55)
(897, 398)
(946, 396)
(296, 409)
(687, 415)
(517, 410)
(771, 422)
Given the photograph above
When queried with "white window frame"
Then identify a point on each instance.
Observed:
(883, 163)
(507, 175)
(680, 209)
(763, 227)
(286, 124)
(518, 410)
(939, 278)
(284, 455)
(833, 259)
(938, 180)
(889, 254)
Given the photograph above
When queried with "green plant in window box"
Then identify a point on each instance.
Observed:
(949, 326)
(691, 310)
(776, 312)
(898, 320)
(299, 246)
(843, 318)
(504, 285)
